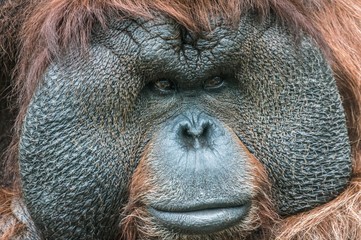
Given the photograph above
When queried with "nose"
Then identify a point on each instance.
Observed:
(195, 132)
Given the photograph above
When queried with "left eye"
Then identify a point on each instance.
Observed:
(165, 85)
(213, 83)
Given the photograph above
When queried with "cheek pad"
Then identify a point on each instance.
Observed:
(295, 122)
(72, 166)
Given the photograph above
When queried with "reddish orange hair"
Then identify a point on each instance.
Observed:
(33, 33)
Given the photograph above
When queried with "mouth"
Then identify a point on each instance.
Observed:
(201, 220)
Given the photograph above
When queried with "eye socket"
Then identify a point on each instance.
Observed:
(164, 85)
(213, 83)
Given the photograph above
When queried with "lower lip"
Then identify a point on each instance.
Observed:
(201, 221)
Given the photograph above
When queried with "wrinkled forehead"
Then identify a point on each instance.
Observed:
(161, 44)
(167, 30)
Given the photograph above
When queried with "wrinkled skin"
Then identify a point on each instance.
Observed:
(150, 85)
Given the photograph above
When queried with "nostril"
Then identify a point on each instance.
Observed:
(195, 130)
(195, 135)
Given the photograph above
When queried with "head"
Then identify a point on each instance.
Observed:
(161, 130)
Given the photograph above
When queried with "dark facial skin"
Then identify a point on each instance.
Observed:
(147, 84)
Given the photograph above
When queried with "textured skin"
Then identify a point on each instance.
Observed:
(89, 121)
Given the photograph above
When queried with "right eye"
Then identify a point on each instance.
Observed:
(213, 83)
(164, 85)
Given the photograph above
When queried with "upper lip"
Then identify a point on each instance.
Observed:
(191, 206)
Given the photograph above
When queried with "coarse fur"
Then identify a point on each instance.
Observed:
(33, 33)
